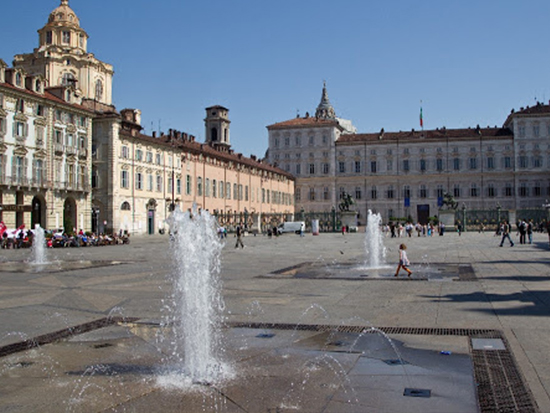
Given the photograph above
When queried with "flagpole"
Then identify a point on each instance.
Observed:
(421, 117)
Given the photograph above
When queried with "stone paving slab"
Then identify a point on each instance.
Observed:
(511, 293)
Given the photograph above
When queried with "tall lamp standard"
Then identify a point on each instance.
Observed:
(464, 217)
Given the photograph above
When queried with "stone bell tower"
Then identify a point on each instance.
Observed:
(62, 57)
(217, 128)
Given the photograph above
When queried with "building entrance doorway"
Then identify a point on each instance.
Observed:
(423, 213)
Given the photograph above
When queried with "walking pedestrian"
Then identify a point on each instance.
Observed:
(530, 231)
(403, 261)
(239, 236)
(505, 231)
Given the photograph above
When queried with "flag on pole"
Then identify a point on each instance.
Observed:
(421, 119)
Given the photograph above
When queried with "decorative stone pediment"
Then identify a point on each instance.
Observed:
(21, 117)
(20, 150)
(40, 154)
(41, 121)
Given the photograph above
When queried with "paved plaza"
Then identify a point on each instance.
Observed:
(485, 307)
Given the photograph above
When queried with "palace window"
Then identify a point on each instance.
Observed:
(422, 165)
(207, 187)
(456, 191)
(139, 181)
(491, 191)
(159, 183)
(508, 190)
(326, 193)
(456, 164)
(537, 190)
(406, 165)
(423, 192)
(507, 162)
(311, 168)
(66, 37)
(373, 167)
(439, 164)
(490, 162)
(474, 191)
(124, 181)
(473, 163)
(440, 191)
(522, 161)
(406, 191)
(139, 155)
(373, 192)
(49, 37)
(312, 194)
(523, 189)
(98, 90)
(390, 192)
(326, 168)
(95, 178)
(298, 169)
(150, 181)
(228, 190)
(125, 206)
(357, 167)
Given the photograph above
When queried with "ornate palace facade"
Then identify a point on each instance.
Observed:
(91, 166)
(401, 174)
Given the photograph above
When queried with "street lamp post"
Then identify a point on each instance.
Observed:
(333, 212)
(464, 217)
(498, 214)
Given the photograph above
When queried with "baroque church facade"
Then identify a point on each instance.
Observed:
(406, 174)
(91, 165)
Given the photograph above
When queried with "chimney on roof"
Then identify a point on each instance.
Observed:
(381, 136)
(191, 138)
(307, 115)
(154, 134)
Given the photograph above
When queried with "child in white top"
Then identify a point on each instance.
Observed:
(403, 261)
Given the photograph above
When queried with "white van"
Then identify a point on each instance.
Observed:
(295, 227)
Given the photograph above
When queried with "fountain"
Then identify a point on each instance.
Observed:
(196, 304)
(374, 242)
(39, 246)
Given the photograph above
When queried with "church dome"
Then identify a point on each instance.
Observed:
(325, 109)
(63, 15)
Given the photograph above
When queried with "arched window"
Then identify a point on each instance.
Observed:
(125, 206)
(68, 79)
(98, 90)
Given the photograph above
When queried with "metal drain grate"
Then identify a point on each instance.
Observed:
(61, 334)
(429, 331)
(500, 386)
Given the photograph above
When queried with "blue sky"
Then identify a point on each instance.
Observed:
(470, 62)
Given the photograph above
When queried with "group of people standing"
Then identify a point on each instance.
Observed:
(427, 230)
(525, 232)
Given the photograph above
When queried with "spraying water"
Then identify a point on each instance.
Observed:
(374, 242)
(39, 246)
(196, 304)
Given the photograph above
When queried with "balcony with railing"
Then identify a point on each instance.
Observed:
(70, 150)
(58, 148)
